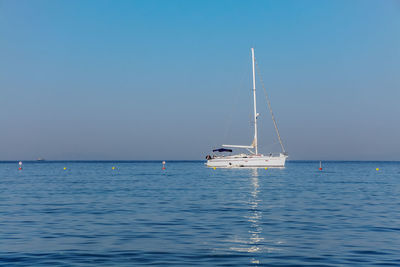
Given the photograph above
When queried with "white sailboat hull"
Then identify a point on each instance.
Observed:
(249, 161)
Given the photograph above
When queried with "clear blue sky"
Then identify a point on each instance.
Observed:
(171, 79)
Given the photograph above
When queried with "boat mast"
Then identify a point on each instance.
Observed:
(255, 142)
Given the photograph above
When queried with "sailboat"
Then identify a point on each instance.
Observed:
(253, 158)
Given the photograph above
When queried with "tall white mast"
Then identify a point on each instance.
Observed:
(255, 142)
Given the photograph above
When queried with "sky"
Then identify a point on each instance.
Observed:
(165, 80)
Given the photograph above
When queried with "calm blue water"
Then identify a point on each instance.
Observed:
(91, 215)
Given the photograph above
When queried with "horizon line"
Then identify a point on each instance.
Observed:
(180, 160)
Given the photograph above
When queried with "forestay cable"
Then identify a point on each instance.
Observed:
(270, 109)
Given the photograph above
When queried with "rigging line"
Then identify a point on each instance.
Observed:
(269, 107)
(228, 125)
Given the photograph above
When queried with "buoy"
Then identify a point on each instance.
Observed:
(65, 168)
(214, 168)
(377, 169)
(113, 168)
(163, 165)
(20, 165)
(266, 168)
(320, 166)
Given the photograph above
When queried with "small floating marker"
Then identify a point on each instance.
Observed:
(163, 165)
(113, 168)
(214, 168)
(320, 166)
(20, 165)
(65, 168)
(377, 169)
(266, 168)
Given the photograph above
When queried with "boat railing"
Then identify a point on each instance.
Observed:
(276, 154)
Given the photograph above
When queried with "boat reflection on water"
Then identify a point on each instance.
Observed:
(255, 217)
(254, 243)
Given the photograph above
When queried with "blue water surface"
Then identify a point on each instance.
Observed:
(138, 214)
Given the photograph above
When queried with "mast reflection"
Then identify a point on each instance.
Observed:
(255, 216)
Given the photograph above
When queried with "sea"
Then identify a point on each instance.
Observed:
(131, 213)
